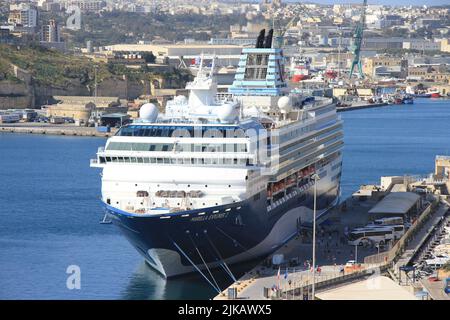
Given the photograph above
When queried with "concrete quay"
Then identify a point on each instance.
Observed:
(54, 129)
(332, 252)
(293, 278)
(361, 105)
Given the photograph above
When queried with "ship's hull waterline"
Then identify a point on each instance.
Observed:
(223, 235)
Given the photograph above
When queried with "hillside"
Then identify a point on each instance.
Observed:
(55, 73)
(50, 67)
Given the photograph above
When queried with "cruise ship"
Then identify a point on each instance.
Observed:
(222, 178)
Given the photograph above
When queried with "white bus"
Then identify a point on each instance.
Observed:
(398, 230)
(388, 221)
(376, 235)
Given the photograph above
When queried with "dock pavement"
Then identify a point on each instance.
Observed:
(53, 129)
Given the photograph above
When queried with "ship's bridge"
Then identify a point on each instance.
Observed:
(185, 144)
(187, 129)
(158, 164)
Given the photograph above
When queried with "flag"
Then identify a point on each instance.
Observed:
(286, 274)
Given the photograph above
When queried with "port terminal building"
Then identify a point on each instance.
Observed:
(401, 204)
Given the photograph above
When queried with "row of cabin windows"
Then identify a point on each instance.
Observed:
(178, 131)
(336, 177)
(195, 161)
(181, 147)
(296, 144)
(324, 110)
(337, 165)
(295, 133)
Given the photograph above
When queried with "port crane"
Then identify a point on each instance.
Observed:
(282, 31)
(358, 37)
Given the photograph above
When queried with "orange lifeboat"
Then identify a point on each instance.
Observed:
(299, 77)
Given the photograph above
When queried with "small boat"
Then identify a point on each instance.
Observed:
(422, 95)
(408, 100)
(435, 95)
(398, 100)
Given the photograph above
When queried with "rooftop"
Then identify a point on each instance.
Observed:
(395, 203)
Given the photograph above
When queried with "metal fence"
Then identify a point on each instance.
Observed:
(305, 288)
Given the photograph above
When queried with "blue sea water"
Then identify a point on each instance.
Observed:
(50, 212)
(393, 140)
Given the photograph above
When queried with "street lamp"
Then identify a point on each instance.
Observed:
(315, 177)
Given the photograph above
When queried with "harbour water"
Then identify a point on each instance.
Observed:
(50, 209)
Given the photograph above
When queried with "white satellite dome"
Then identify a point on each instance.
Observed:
(148, 112)
(285, 104)
(227, 113)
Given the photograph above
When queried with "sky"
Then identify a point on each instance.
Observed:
(386, 2)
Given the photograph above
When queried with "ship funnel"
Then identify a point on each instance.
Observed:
(260, 39)
(268, 40)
